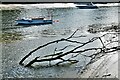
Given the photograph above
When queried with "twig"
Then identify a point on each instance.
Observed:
(65, 47)
(73, 34)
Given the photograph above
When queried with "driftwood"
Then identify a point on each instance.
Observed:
(76, 50)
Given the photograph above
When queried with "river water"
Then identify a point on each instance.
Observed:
(20, 40)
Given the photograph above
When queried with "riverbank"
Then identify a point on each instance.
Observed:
(50, 5)
(106, 66)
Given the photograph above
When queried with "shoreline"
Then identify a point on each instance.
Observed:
(105, 67)
(50, 5)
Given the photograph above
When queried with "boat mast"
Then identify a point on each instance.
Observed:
(91, 3)
(50, 15)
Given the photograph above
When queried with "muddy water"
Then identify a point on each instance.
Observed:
(17, 41)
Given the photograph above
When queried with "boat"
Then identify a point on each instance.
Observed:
(34, 21)
(86, 6)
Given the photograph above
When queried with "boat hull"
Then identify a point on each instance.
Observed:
(87, 7)
(33, 22)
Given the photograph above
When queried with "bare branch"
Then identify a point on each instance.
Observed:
(65, 47)
(79, 36)
(73, 34)
(102, 42)
(56, 41)
(76, 50)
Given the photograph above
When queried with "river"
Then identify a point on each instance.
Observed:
(20, 40)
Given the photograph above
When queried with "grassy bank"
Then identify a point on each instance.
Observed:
(8, 37)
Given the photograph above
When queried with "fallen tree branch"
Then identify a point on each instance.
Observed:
(56, 41)
(76, 50)
(65, 47)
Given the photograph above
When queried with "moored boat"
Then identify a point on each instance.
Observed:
(33, 21)
(86, 6)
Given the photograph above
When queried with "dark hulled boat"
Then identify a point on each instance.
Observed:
(86, 6)
(33, 21)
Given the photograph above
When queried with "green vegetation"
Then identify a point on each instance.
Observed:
(8, 37)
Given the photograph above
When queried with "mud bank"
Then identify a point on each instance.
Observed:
(106, 66)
